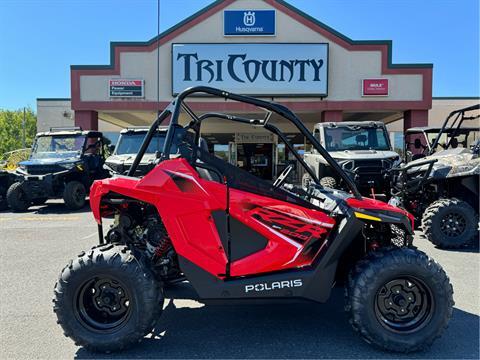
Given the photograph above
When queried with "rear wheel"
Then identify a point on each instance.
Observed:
(306, 180)
(105, 301)
(17, 198)
(3, 198)
(450, 223)
(399, 299)
(74, 195)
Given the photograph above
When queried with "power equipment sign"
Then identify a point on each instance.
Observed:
(126, 88)
(272, 69)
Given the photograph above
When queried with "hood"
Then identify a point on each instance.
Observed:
(450, 163)
(48, 161)
(363, 154)
(127, 159)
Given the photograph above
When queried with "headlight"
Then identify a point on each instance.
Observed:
(22, 169)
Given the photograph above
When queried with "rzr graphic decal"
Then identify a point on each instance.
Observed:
(301, 230)
(185, 182)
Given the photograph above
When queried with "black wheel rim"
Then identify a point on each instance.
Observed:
(103, 304)
(404, 304)
(79, 194)
(453, 224)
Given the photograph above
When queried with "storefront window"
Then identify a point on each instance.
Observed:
(221, 151)
(281, 154)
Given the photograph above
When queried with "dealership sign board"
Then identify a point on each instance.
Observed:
(253, 138)
(375, 87)
(125, 88)
(252, 69)
(249, 22)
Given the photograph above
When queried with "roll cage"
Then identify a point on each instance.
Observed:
(454, 121)
(178, 104)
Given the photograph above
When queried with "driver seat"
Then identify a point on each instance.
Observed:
(203, 172)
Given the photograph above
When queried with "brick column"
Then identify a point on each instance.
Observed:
(331, 116)
(414, 118)
(86, 119)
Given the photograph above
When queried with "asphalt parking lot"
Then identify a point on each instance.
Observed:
(37, 244)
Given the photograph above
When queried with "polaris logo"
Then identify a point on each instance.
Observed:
(274, 285)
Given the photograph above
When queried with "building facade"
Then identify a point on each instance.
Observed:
(264, 48)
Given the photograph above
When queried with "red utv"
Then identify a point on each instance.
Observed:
(234, 236)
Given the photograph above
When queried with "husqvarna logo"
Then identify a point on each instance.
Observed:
(249, 18)
(273, 285)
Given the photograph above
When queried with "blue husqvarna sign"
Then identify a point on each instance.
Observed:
(249, 22)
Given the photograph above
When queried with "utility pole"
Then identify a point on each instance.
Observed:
(23, 127)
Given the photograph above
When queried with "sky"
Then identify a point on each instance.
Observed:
(40, 39)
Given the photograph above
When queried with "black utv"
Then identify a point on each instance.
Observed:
(63, 164)
(441, 186)
(127, 147)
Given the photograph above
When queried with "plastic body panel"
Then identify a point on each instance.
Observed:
(186, 204)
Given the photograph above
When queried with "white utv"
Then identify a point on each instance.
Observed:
(361, 148)
(127, 147)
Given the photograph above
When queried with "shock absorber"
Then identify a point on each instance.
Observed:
(158, 242)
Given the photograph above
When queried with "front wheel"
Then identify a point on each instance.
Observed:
(17, 197)
(399, 299)
(328, 182)
(105, 301)
(74, 195)
(450, 223)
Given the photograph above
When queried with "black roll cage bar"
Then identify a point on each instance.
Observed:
(173, 110)
(457, 115)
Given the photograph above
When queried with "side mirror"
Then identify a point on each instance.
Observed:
(417, 143)
(111, 148)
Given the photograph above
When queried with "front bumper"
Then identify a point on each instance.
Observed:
(40, 186)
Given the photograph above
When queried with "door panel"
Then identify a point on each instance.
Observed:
(186, 203)
(288, 230)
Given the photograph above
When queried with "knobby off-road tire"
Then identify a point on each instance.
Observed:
(105, 301)
(17, 198)
(306, 180)
(328, 182)
(74, 195)
(390, 280)
(450, 223)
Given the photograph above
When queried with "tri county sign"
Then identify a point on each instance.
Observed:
(253, 69)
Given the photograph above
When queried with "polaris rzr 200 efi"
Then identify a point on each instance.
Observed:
(237, 237)
(63, 164)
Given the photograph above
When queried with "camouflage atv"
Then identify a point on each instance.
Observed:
(442, 189)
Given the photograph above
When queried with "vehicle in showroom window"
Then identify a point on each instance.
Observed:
(234, 236)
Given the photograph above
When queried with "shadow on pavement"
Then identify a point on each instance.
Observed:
(59, 208)
(304, 330)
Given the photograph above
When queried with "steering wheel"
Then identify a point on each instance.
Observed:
(283, 176)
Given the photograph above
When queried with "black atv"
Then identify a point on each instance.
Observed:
(442, 188)
(63, 164)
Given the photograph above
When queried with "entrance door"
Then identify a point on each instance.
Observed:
(257, 159)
